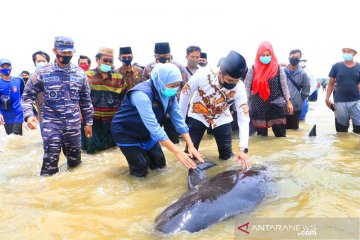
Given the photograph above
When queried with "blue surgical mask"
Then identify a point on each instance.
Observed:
(265, 59)
(170, 92)
(105, 67)
(5, 71)
(127, 62)
(347, 56)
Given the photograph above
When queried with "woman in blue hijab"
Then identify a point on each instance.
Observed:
(136, 127)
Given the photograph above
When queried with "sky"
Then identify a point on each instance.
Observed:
(319, 28)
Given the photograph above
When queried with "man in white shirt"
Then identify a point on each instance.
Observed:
(212, 92)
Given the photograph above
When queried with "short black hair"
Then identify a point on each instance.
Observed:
(26, 72)
(44, 54)
(192, 49)
(295, 51)
(84, 57)
(98, 55)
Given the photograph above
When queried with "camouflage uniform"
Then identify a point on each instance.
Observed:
(64, 90)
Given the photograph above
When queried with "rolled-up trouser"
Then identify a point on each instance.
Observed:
(54, 140)
(140, 160)
(221, 133)
(343, 112)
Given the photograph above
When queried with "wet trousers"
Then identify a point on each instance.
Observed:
(221, 133)
(140, 160)
(292, 121)
(13, 128)
(279, 130)
(54, 140)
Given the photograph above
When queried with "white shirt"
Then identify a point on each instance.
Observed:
(210, 102)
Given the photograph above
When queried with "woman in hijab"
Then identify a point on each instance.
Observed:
(268, 93)
(136, 127)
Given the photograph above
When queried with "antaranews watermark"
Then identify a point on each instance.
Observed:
(297, 228)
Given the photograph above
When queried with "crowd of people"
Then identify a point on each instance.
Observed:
(138, 109)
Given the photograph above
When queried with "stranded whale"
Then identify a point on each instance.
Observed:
(210, 201)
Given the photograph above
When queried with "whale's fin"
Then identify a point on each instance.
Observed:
(313, 131)
(198, 175)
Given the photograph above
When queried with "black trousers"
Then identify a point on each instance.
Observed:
(140, 160)
(13, 128)
(292, 121)
(171, 131)
(222, 136)
(279, 130)
(342, 128)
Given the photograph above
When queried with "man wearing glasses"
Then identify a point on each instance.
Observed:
(132, 75)
(107, 90)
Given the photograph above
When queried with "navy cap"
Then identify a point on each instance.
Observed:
(203, 55)
(162, 48)
(5, 61)
(234, 65)
(64, 44)
(125, 50)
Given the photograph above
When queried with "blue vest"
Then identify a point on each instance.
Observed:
(127, 126)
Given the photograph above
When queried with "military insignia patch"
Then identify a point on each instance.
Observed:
(52, 94)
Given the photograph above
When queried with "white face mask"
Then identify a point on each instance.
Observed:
(40, 64)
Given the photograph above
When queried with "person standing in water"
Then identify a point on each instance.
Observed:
(211, 93)
(346, 104)
(268, 93)
(66, 92)
(136, 127)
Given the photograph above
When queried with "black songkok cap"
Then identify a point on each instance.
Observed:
(203, 55)
(234, 65)
(125, 50)
(162, 48)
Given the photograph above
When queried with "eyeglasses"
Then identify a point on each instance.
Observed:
(107, 60)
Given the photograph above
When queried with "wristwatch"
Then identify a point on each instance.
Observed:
(245, 150)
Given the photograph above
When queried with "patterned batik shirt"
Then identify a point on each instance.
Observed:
(132, 75)
(210, 102)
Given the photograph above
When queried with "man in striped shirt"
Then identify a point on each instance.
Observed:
(107, 91)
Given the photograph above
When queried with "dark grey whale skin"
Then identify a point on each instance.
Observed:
(210, 201)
